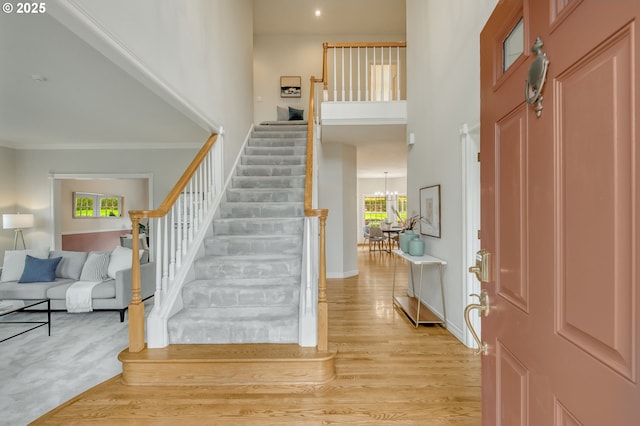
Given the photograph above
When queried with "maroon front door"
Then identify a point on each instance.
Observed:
(560, 208)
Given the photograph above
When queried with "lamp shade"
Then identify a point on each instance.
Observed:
(17, 221)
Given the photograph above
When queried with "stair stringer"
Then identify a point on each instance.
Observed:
(157, 322)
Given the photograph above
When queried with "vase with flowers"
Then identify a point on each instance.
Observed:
(407, 234)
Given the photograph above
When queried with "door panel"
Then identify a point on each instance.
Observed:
(595, 184)
(560, 196)
(511, 206)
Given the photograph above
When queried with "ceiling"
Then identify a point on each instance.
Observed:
(58, 92)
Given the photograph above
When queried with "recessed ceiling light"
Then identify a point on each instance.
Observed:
(37, 77)
(318, 12)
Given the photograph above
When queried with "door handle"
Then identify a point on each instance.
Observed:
(483, 307)
(482, 268)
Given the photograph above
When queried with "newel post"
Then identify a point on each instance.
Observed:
(136, 307)
(323, 310)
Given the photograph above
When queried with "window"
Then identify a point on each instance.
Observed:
(86, 204)
(513, 45)
(375, 209)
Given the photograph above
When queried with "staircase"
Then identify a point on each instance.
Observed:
(239, 322)
(247, 285)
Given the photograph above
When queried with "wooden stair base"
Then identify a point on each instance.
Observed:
(235, 364)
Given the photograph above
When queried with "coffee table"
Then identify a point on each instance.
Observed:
(8, 307)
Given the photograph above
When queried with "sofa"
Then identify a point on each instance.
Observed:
(44, 274)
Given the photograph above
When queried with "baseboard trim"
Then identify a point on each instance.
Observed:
(346, 274)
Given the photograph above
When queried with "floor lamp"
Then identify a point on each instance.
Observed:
(17, 222)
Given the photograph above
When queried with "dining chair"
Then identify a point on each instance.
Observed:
(365, 233)
(376, 238)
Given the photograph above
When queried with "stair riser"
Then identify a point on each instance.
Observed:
(238, 210)
(257, 150)
(268, 142)
(257, 227)
(214, 297)
(220, 267)
(265, 195)
(229, 246)
(301, 134)
(275, 160)
(271, 170)
(267, 182)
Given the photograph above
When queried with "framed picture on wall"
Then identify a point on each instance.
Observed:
(430, 211)
(290, 86)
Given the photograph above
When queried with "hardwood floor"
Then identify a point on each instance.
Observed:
(388, 372)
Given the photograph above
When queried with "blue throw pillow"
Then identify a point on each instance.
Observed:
(39, 270)
(295, 114)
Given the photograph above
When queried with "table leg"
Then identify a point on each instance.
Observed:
(444, 309)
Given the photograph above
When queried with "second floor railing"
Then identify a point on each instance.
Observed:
(364, 71)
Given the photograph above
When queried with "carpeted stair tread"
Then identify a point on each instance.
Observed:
(258, 226)
(200, 294)
(229, 245)
(273, 159)
(261, 209)
(264, 194)
(268, 181)
(248, 266)
(278, 142)
(233, 325)
(271, 170)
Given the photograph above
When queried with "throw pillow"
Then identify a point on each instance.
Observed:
(95, 268)
(120, 259)
(295, 114)
(14, 262)
(283, 113)
(71, 264)
(39, 270)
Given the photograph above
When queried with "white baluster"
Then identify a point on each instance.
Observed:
(398, 73)
(374, 96)
(359, 88)
(389, 82)
(350, 73)
(335, 75)
(158, 297)
(165, 256)
(172, 243)
(366, 74)
(342, 98)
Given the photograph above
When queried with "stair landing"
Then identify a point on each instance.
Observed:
(233, 364)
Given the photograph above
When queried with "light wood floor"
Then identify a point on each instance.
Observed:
(388, 372)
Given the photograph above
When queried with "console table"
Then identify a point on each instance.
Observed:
(413, 308)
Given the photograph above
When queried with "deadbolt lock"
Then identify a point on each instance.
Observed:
(482, 268)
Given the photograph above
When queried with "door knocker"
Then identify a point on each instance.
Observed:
(536, 77)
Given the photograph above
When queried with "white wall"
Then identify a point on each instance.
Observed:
(134, 193)
(277, 55)
(7, 196)
(201, 51)
(443, 67)
(338, 193)
(33, 170)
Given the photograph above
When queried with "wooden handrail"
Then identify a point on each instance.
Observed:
(136, 307)
(366, 44)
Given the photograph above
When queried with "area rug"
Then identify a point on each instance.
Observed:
(38, 372)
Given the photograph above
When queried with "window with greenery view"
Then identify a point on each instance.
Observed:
(375, 209)
(96, 205)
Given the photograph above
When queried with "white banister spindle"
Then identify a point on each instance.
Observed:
(389, 81)
(172, 245)
(159, 296)
(342, 92)
(374, 95)
(366, 74)
(335, 75)
(165, 256)
(383, 92)
(350, 73)
(398, 73)
(359, 88)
